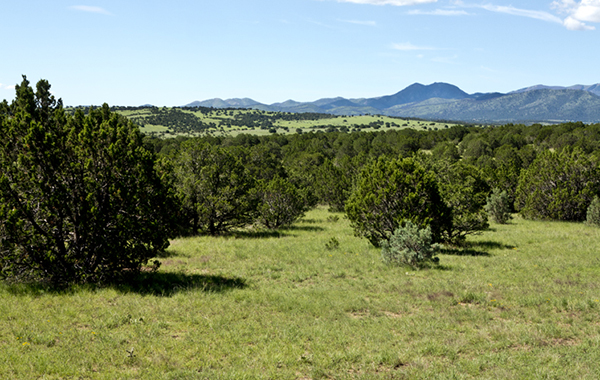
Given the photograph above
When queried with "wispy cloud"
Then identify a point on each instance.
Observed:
(439, 12)
(398, 3)
(407, 46)
(90, 9)
(321, 24)
(579, 12)
(7, 87)
(538, 15)
(359, 22)
(450, 60)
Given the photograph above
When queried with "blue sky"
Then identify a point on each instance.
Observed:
(174, 52)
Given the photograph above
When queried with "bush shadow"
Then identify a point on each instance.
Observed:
(487, 244)
(303, 228)
(462, 251)
(167, 284)
(146, 283)
(474, 248)
(255, 234)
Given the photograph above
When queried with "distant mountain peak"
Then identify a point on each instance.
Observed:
(444, 101)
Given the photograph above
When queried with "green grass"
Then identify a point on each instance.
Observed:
(219, 117)
(521, 301)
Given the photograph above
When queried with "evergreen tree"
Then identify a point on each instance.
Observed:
(80, 199)
(390, 192)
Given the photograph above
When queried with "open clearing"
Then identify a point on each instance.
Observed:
(521, 301)
(222, 121)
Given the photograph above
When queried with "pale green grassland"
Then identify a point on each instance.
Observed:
(520, 302)
(220, 117)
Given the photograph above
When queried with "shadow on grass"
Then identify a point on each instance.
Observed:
(475, 248)
(167, 284)
(303, 228)
(171, 253)
(462, 251)
(255, 234)
(147, 283)
(488, 245)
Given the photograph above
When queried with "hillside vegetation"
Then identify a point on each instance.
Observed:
(200, 120)
(242, 256)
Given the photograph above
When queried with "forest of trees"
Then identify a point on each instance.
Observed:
(85, 197)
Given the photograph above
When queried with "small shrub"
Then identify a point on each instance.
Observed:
(409, 245)
(333, 218)
(332, 244)
(593, 212)
(498, 206)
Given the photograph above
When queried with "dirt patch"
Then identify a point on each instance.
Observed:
(392, 315)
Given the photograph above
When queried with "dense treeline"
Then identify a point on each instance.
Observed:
(85, 197)
(468, 163)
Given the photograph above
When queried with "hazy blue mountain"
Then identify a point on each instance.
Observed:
(530, 106)
(417, 93)
(594, 88)
(228, 103)
(445, 101)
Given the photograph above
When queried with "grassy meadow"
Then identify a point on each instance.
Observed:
(220, 117)
(520, 301)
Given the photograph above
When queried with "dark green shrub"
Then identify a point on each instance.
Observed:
(279, 203)
(498, 206)
(390, 192)
(80, 197)
(214, 187)
(593, 212)
(464, 191)
(558, 185)
(332, 186)
(409, 245)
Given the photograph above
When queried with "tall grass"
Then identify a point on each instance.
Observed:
(520, 301)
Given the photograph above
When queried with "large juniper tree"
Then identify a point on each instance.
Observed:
(80, 199)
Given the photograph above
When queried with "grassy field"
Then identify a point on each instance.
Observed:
(521, 301)
(220, 118)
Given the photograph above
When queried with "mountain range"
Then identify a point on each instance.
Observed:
(443, 101)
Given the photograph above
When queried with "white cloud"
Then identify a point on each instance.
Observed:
(359, 22)
(578, 12)
(451, 60)
(574, 24)
(439, 12)
(90, 9)
(388, 2)
(407, 46)
(538, 15)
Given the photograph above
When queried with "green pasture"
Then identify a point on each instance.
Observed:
(220, 117)
(520, 301)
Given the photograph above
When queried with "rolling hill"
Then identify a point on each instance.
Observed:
(443, 101)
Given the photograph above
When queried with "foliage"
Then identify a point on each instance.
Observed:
(390, 192)
(80, 198)
(498, 206)
(409, 245)
(332, 186)
(464, 191)
(593, 212)
(214, 187)
(558, 185)
(279, 203)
